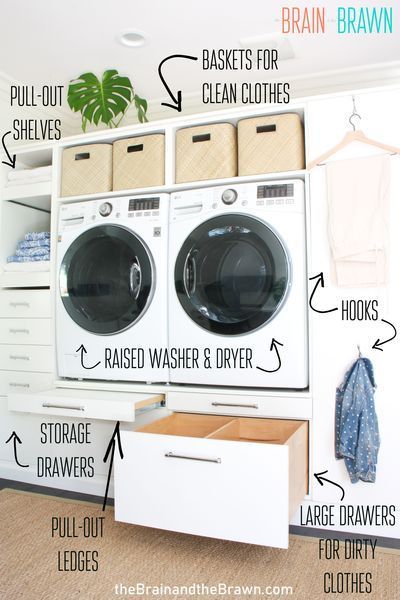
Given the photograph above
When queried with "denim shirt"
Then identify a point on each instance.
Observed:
(357, 433)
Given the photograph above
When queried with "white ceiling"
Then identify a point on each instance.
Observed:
(52, 41)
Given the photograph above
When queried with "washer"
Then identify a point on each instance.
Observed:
(238, 281)
(112, 288)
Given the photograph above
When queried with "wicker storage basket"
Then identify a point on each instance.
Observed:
(138, 162)
(206, 152)
(86, 169)
(270, 144)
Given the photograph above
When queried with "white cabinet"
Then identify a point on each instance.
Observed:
(25, 303)
(236, 479)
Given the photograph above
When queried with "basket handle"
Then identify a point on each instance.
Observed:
(204, 137)
(135, 148)
(82, 156)
(266, 128)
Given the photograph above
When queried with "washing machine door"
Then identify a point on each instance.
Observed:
(232, 274)
(106, 279)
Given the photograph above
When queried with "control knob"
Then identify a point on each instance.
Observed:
(229, 196)
(105, 209)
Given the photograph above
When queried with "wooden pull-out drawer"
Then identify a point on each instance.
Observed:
(237, 479)
(84, 404)
(26, 358)
(25, 303)
(25, 331)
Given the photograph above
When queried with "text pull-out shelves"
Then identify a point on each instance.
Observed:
(86, 404)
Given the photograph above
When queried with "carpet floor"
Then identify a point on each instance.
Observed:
(37, 566)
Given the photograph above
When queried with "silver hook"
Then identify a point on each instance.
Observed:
(354, 114)
(359, 351)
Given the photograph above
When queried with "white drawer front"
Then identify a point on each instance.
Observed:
(26, 331)
(89, 404)
(25, 303)
(289, 407)
(234, 490)
(26, 358)
(17, 381)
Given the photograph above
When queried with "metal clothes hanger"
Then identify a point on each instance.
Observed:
(349, 138)
(359, 351)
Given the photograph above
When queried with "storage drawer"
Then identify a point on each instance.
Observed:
(26, 358)
(88, 404)
(19, 381)
(237, 479)
(25, 303)
(25, 331)
(292, 407)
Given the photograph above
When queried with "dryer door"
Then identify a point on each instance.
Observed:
(232, 274)
(106, 279)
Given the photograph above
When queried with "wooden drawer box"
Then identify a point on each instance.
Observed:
(26, 358)
(25, 303)
(237, 479)
(25, 331)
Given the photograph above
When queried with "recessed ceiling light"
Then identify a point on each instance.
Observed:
(132, 38)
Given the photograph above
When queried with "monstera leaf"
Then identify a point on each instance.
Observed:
(104, 101)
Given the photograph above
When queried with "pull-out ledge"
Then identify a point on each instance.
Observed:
(86, 404)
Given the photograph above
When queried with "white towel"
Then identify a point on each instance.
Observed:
(358, 205)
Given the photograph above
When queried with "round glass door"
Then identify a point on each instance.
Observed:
(106, 279)
(232, 274)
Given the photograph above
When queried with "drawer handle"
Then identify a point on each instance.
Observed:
(67, 406)
(211, 460)
(19, 331)
(16, 384)
(15, 304)
(235, 405)
(15, 357)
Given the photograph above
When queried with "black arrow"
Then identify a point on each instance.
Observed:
(11, 162)
(111, 450)
(83, 351)
(16, 439)
(378, 343)
(320, 479)
(177, 101)
(274, 346)
(320, 280)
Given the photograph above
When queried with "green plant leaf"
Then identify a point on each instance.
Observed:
(141, 107)
(100, 101)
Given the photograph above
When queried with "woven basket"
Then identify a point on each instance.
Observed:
(206, 152)
(270, 144)
(86, 170)
(138, 162)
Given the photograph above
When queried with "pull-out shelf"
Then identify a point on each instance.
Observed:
(238, 479)
(84, 404)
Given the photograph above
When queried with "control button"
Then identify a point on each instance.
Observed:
(260, 202)
(214, 205)
(105, 209)
(244, 203)
(279, 201)
(289, 201)
(229, 196)
(270, 201)
(147, 213)
(155, 213)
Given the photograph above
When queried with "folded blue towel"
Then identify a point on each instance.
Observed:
(37, 235)
(33, 244)
(15, 258)
(32, 251)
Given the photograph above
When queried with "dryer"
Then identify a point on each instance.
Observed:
(238, 285)
(111, 307)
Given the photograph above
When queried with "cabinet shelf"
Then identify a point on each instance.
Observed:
(176, 187)
(25, 279)
(35, 195)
